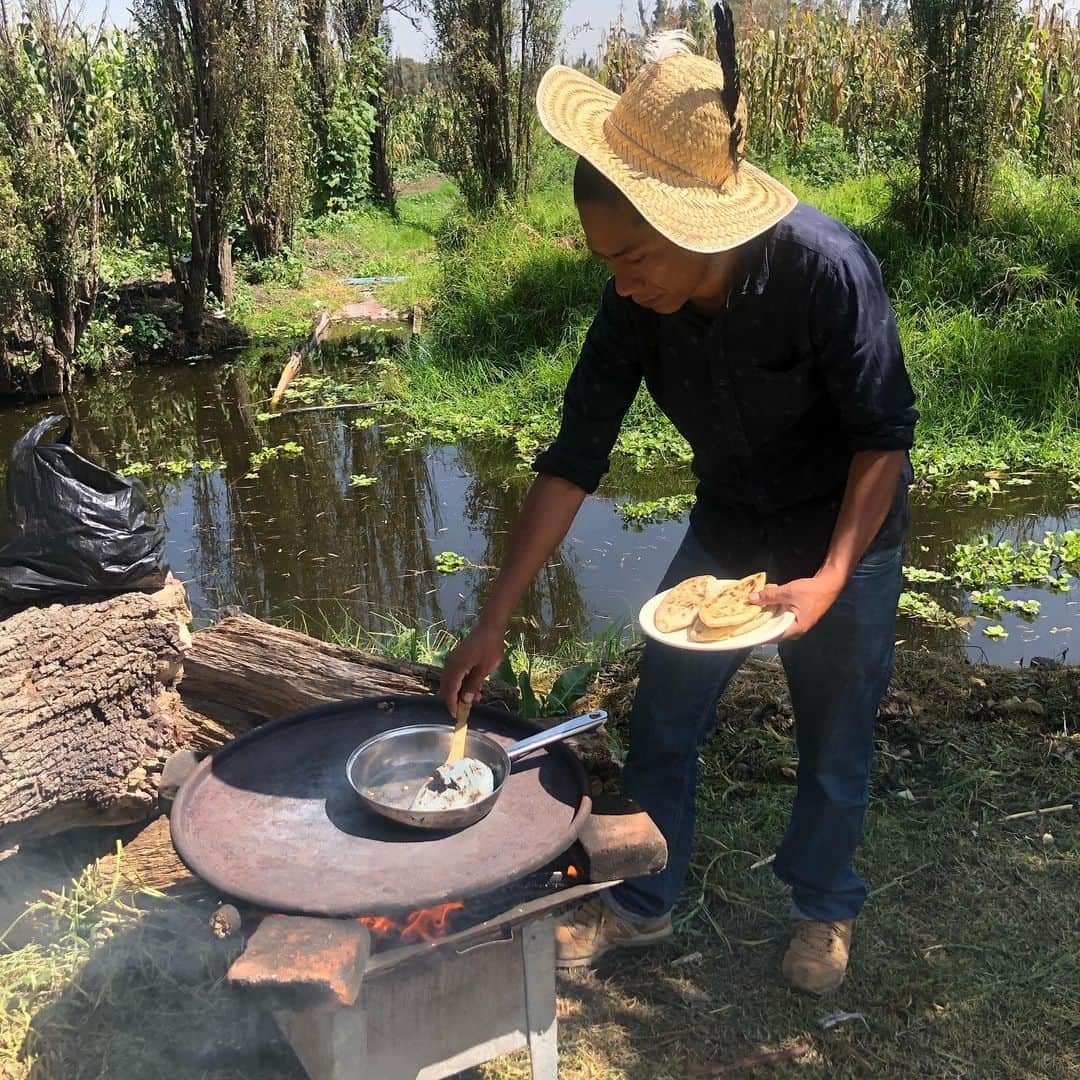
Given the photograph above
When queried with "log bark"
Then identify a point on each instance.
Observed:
(149, 861)
(89, 710)
(242, 670)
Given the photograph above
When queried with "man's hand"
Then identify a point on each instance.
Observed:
(809, 598)
(470, 663)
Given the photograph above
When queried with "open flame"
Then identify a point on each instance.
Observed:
(427, 924)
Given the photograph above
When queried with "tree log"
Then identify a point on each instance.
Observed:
(241, 670)
(149, 861)
(88, 710)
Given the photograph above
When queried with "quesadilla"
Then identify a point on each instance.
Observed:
(730, 605)
(702, 633)
(680, 606)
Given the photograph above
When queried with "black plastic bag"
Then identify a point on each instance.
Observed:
(72, 526)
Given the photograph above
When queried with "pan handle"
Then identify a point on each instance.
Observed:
(585, 722)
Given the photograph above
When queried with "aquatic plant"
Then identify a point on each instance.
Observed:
(258, 458)
(650, 511)
(925, 608)
(1044, 563)
(450, 562)
(169, 469)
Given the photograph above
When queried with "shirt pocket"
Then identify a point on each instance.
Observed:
(772, 400)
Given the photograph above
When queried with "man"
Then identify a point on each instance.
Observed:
(762, 329)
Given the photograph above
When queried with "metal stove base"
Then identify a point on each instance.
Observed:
(440, 1013)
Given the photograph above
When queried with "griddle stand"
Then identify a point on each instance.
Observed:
(431, 1009)
(443, 1012)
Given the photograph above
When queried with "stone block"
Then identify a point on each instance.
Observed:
(620, 841)
(296, 962)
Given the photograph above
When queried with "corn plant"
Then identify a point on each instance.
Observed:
(814, 64)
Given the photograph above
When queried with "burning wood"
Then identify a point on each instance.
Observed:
(427, 924)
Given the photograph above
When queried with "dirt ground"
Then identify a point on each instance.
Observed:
(966, 962)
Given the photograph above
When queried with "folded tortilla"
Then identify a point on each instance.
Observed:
(680, 606)
(730, 606)
(702, 633)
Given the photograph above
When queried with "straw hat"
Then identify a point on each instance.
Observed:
(671, 145)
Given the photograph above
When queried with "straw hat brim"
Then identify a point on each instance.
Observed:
(690, 212)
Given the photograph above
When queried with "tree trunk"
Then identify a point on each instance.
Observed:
(92, 706)
(495, 153)
(190, 275)
(190, 278)
(59, 349)
(382, 178)
(265, 231)
(243, 671)
(317, 39)
(55, 369)
(88, 710)
(149, 861)
(220, 270)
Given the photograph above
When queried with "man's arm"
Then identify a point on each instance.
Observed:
(871, 485)
(544, 521)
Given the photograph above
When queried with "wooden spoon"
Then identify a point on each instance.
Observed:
(438, 781)
(461, 731)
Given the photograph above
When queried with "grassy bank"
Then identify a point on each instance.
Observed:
(991, 326)
(280, 297)
(965, 961)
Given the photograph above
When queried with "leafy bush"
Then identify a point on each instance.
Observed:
(132, 262)
(102, 346)
(286, 268)
(823, 159)
(146, 333)
(17, 265)
(567, 688)
(345, 170)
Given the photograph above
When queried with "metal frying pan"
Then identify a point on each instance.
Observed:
(388, 770)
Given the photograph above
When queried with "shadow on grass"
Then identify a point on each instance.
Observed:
(507, 292)
(150, 1002)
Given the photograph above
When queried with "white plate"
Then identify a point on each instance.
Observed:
(762, 635)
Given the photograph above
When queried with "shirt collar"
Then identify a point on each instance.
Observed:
(753, 269)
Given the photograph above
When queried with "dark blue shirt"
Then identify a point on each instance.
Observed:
(774, 395)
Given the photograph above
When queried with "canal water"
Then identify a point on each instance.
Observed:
(295, 540)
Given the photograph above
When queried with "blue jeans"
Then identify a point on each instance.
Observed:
(837, 674)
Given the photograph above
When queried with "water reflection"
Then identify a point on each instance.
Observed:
(295, 540)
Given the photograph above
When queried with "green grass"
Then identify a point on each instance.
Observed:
(430, 644)
(990, 327)
(360, 243)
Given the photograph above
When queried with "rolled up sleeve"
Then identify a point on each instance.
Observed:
(601, 389)
(859, 353)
